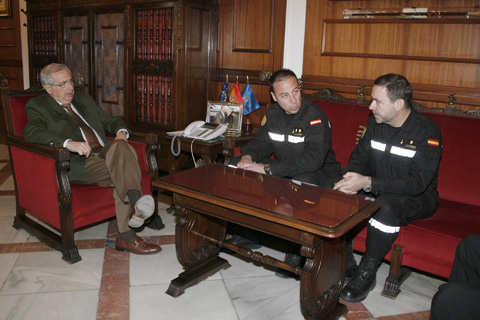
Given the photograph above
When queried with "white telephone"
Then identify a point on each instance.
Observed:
(202, 130)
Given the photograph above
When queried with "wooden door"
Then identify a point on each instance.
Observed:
(251, 38)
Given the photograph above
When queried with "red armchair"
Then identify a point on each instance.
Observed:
(44, 191)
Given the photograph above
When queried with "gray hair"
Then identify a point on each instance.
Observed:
(46, 73)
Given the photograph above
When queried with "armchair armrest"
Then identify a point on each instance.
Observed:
(149, 153)
(60, 154)
(40, 173)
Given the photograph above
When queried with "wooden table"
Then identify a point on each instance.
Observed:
(318, 219)
(208, 151)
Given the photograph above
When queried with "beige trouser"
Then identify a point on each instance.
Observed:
(116, 166)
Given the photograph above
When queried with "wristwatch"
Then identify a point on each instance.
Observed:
(368, 187)
(267, 169)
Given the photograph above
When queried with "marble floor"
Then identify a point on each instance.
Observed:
(36, 284)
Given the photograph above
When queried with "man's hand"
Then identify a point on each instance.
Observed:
(121, 135)
(82, 148)
(351, 183)
(247, 163)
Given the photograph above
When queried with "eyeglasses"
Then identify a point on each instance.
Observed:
(63, 84)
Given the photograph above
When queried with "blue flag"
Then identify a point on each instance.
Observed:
(224, 93)
(249, 100)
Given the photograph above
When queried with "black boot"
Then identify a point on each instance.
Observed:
(294, 258)
(351, 263)
(364, 280)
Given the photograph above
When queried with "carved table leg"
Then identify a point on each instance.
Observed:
(322, 279)
(198, 256)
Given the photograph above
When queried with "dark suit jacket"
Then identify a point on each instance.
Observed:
(48, 123)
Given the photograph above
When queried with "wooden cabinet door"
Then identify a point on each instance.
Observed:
(97, 55)
(251, 39)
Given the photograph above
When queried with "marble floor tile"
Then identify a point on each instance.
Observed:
(266, 297)
(98, 231)
(37, 272)
(7, 261)
(4, 152)
(7, 206)
(8, 234)
(209, 300)
(74, 305)
(416, 295)
(8, 184)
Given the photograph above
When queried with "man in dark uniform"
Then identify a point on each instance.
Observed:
(299, 136)
(396, 161)
(460, 297)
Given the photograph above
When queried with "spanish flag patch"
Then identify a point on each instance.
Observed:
(432, 142)
(314, 122)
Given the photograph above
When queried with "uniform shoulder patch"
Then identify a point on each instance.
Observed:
(433, 142)
(264, 120)
(314, 122)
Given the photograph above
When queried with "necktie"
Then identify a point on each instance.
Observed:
(92, 139)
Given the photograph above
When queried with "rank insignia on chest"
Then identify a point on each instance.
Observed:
(297, 132)
(408, 143)
(264, 120)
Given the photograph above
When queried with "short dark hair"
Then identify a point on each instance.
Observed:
(279, 75)
(397, 87)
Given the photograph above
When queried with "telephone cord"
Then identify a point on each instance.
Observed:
(176, 153)
(200, 161)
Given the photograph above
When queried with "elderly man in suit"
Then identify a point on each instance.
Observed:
(62, 118)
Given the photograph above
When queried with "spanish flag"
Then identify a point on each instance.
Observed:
(236, 96)
(432, 142)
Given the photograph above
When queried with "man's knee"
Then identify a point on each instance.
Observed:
(455, 301)
(388, 213)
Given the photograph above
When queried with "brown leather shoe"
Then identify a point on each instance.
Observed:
(140, 246)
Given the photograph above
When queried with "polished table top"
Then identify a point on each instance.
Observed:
(318, 210)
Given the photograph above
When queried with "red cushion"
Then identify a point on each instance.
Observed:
(17, 108)
(459, 179)
(348, 121)
(430, 244)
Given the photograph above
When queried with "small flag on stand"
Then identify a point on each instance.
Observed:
(250, 102)
(224, 93)
(236, 96)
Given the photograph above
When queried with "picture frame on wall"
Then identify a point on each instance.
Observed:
(227, 113)
(5, 8)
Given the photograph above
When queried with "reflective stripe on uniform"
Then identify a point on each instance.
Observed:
(394, 150)
(378, 145)
(295, 139)
(403, 152)
(276, 137)
(382, 227)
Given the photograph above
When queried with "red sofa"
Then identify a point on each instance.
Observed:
(427, 245)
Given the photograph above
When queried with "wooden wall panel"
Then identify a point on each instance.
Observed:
(244, 22)
(248, 31)
(438, 56)
(109, 43)
(76, 46)
(251, 37)
(11, 48)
